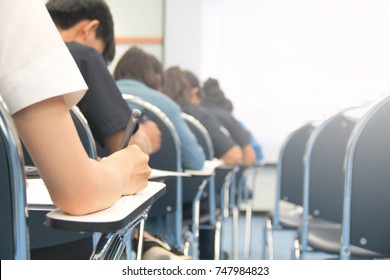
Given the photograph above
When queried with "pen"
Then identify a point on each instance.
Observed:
(135, 114)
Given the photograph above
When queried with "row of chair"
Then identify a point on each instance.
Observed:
(111, 227)
(334, 177)
(216, 187)
(209, 194)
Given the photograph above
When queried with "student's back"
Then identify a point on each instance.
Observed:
(138, 73)
(222, 142)
(177, 87)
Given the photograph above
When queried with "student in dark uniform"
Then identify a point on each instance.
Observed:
(90, 39)
(214, 96)
(214, 99)
(177, 87)
(87, 28)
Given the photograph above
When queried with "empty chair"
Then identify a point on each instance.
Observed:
(366, 211)
(324, 181)
(289, 186)
(14, 238)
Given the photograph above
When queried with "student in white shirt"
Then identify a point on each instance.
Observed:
(39, 83)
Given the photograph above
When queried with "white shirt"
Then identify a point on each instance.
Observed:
(35, 63)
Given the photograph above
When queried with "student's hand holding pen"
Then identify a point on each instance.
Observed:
(139, 170)
(133, 166)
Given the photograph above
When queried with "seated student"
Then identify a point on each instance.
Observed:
(89, 36)
(40, 82)
(139, 74)
(176, 86)
(106, 111)
(227, 105)
(213, 97)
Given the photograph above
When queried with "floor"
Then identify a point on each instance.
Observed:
(264, 201)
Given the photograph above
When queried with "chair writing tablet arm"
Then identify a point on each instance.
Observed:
(118, 216)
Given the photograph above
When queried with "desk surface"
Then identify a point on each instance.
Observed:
(162, 174)
(126, 210)
(38, 197)
(208, 168)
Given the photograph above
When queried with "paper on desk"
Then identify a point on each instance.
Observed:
(37, 193)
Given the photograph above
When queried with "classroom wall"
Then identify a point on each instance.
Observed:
(140, 23)
(282, 62)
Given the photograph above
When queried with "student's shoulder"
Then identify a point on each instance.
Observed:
(198, 112)
(83, 52)
(164, 100)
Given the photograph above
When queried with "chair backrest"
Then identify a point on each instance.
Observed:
(167, 158)
(290, 165)
(204, 140)
(84, 132)
(324, 165)
(367, 183)
(290, 168)
(14, 242)
(201, 135)
(323, 187)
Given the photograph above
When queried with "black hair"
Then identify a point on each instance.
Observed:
(139, 65)
(194, 82)
(214, 95)
(67, 13)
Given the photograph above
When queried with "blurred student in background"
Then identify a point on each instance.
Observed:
(177, 87)
(140, 74)
(213, 97)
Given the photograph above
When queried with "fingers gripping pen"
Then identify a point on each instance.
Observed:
(135, 114)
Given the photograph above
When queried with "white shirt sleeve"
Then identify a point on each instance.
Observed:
(35, 63)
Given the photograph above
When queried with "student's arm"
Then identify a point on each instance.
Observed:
(77, 184)
(148, 137)
(241, 137)
(233, 156)
(249, 155)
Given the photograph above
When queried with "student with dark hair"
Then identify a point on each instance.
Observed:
(87, 28)
(140, 74)
(235, 127)
(67, 14)
(177, 87)
(103, 106)
(213, 97)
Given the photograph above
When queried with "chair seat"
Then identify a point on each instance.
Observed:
(326, 236)
(290, 218)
